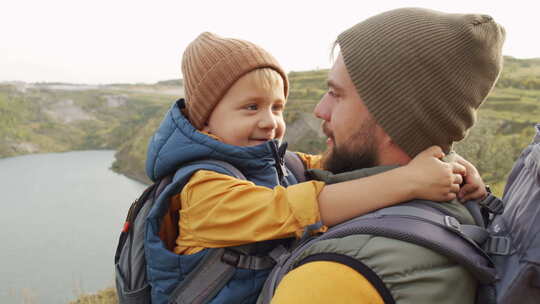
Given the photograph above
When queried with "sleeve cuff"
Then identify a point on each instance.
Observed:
(311, 161)
(303, 201)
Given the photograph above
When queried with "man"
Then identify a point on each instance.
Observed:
(404, 80)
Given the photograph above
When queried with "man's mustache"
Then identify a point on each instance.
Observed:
(326, 130)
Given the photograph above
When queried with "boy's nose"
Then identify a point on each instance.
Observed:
(268, 121)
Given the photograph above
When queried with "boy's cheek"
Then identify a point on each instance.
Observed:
(281, 130)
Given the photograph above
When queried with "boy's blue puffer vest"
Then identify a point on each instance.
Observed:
(175, 143)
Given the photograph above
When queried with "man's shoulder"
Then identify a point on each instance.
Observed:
(410, 272)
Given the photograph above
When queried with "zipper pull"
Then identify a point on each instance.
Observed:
(281, 152)
(279, 162)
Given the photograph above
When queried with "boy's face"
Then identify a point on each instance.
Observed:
(250, 113)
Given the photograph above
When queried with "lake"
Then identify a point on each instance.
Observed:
(60, 219)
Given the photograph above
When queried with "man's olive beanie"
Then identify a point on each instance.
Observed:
(423, 74)
(212, 64)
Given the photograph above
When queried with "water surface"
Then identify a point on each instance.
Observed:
(60, 218)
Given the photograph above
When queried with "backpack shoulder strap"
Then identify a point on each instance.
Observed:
(152, 192)
(294, 163)
(428, 228)
(205, 281)
(214, 271)
(225, 165)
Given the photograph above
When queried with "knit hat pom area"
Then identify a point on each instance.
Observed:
(422, 73)
(212, 64)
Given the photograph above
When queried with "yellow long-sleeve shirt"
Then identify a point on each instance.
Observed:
(218, 210)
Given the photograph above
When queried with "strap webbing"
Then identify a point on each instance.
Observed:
(215, 270)
(225, 165)
(205, 281)
(238, 259)
(472, 233)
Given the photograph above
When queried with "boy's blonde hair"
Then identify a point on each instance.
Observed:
(267, 78)
(211, 65)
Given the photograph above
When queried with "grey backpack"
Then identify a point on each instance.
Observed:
(518, 230)
(502, 251)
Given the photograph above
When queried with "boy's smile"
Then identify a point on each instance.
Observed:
(251, 112)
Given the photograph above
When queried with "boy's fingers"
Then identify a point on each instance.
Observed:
(470, 196)
(434, 151)
(454, 188)
(458, 179)
(458, 168)
(479, 194)
(467, 192)
(450, 196)
(466, 189)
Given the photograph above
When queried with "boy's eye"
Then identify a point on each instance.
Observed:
(332, 93)
(252, 107)
(278, 107)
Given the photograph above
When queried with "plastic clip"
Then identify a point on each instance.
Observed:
(452, 223)
(492, 204)
(498, 245)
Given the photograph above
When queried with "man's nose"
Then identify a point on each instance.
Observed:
(323, 109)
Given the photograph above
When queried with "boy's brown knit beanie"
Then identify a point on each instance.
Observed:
(423, 74)
(211, 65)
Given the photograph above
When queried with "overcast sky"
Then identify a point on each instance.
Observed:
(98, 41)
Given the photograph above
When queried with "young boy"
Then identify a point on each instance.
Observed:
(235, 97)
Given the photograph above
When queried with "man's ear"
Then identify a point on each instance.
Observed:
(389, 152)
(385, 141)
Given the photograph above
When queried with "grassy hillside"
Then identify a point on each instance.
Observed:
(105, 296)
(39, 118)
(520, 74)
(505, 121)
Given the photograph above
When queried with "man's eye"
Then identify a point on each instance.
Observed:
(332, 93)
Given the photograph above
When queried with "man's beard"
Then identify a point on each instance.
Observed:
(358, 152)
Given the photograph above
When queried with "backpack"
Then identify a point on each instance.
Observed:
(502, 251)
(518, 263)
(413, 222)
(211, 274)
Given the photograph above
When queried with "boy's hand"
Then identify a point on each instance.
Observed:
(474, 187)
(433, 179)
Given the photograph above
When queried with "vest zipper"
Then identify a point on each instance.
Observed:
(278, 152)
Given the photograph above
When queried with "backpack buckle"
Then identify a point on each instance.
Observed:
(230, 257)
(492, 204)
(498, 245)
(452, 223)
